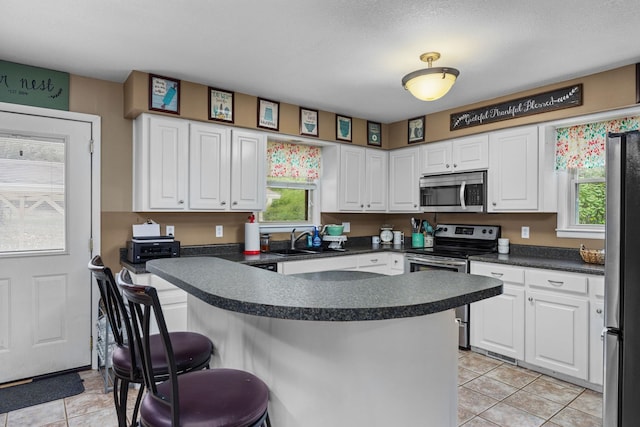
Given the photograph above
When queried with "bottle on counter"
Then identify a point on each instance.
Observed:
(317, 241)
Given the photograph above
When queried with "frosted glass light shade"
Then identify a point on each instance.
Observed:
(431, 83)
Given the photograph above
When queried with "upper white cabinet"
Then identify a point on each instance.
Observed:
(456, 155)
(363, 179)
(513, 170)
(404, 193)
(181, 165)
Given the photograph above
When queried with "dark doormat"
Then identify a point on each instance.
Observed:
(40, 391)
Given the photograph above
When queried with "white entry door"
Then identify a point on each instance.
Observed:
(45, 233)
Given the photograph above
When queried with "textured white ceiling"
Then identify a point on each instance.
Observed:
(335, 55)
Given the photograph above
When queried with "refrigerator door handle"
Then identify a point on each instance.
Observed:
(611, 376)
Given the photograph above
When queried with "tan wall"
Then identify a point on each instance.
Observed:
(113, 101)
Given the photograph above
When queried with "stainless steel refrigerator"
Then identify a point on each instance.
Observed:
(622, 282)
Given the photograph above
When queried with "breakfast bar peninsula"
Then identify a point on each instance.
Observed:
(338, 348)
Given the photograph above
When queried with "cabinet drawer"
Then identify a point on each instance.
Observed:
(503, 272)
(558, 281)
(369, 260)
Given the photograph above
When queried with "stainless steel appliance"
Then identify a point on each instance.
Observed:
(456, 192)
(622, 282)
(453, 246)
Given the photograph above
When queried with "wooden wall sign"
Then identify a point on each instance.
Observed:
(558, 99)
(38, 87)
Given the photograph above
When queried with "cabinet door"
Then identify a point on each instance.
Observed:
(209, 167)
(513, 170)
(436, 158)
(376, 179)
(248, 177)
(557, 333)
(596, 343)
(352, 178)
(497, 323)
(470, 153)
(168, 151)
(404, 192)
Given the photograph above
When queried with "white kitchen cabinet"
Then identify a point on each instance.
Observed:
(497, 323)
(181, 165)
(374, 262)
(349, 262)
(160, 159)
(363, 179)
(404, 192)
(596, 325)
(557, 322)
(513, 170)
(173, 301)
(396, 264)
(456, 155)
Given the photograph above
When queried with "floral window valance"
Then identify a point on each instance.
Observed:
(583, 146)
(293, 162)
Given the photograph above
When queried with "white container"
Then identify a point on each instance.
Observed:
(503, 246)
(398, 237)
(375, 240)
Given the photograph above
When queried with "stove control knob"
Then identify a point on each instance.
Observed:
(484, 231)
(490, 231)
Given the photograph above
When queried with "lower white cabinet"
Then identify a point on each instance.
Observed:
(375, 262)
(546, 318)
(497, 323)
(172, 299)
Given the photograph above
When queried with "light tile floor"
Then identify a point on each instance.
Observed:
(490, 394)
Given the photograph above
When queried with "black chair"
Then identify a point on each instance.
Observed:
(192, 351)
(216, 397)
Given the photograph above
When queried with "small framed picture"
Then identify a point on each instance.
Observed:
(308, 122)
(221, 105)
(416, 129)
(268, 114)
(374, 134)
(164, 94)
(343, 128)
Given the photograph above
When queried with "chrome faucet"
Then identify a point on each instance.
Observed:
(294, 239)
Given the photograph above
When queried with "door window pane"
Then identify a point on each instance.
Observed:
(32, 195)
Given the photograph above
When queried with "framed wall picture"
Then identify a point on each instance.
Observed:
(343, 128)
(308, 122)
(164, 94)
(268, 114)
(374, 134)
(416, 129)
(221, 105)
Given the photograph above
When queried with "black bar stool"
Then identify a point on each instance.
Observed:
(215, 397)
(192, 350)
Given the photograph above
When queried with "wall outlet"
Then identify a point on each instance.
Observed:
(524, 232)
(346, 227)
(218, 231)
(170, 230)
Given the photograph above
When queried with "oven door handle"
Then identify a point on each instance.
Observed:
(436, 262)
(463, 187)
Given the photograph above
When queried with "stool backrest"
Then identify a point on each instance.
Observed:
(143, 306)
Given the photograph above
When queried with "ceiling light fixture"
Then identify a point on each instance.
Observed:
(430, 83)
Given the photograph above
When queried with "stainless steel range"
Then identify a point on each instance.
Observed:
(454, 244)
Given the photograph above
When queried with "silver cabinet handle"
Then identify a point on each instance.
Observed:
(368, 206)
(599, 311)
(374, 260)
(447, 165)
(181, 202)
(455, 165)
(494, 203)
(497, 274)
(234, 203)
(555, 282)
(223, 203)
(530, 299)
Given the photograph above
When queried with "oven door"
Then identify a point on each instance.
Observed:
(415, 263)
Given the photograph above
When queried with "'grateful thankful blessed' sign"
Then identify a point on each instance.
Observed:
(548, 101)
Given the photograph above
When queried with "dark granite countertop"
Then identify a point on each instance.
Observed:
(236, 287)
(562, 259)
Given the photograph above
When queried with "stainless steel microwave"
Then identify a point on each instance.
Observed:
(456, 192)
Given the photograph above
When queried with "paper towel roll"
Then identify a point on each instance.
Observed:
(252, 238)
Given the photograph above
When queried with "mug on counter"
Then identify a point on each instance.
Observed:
(398, 237)
(375, 240)
(503, 246)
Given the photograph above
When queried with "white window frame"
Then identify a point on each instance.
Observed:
(566, 225)
(314, 210)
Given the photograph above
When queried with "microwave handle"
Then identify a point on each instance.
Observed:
(462, 189)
